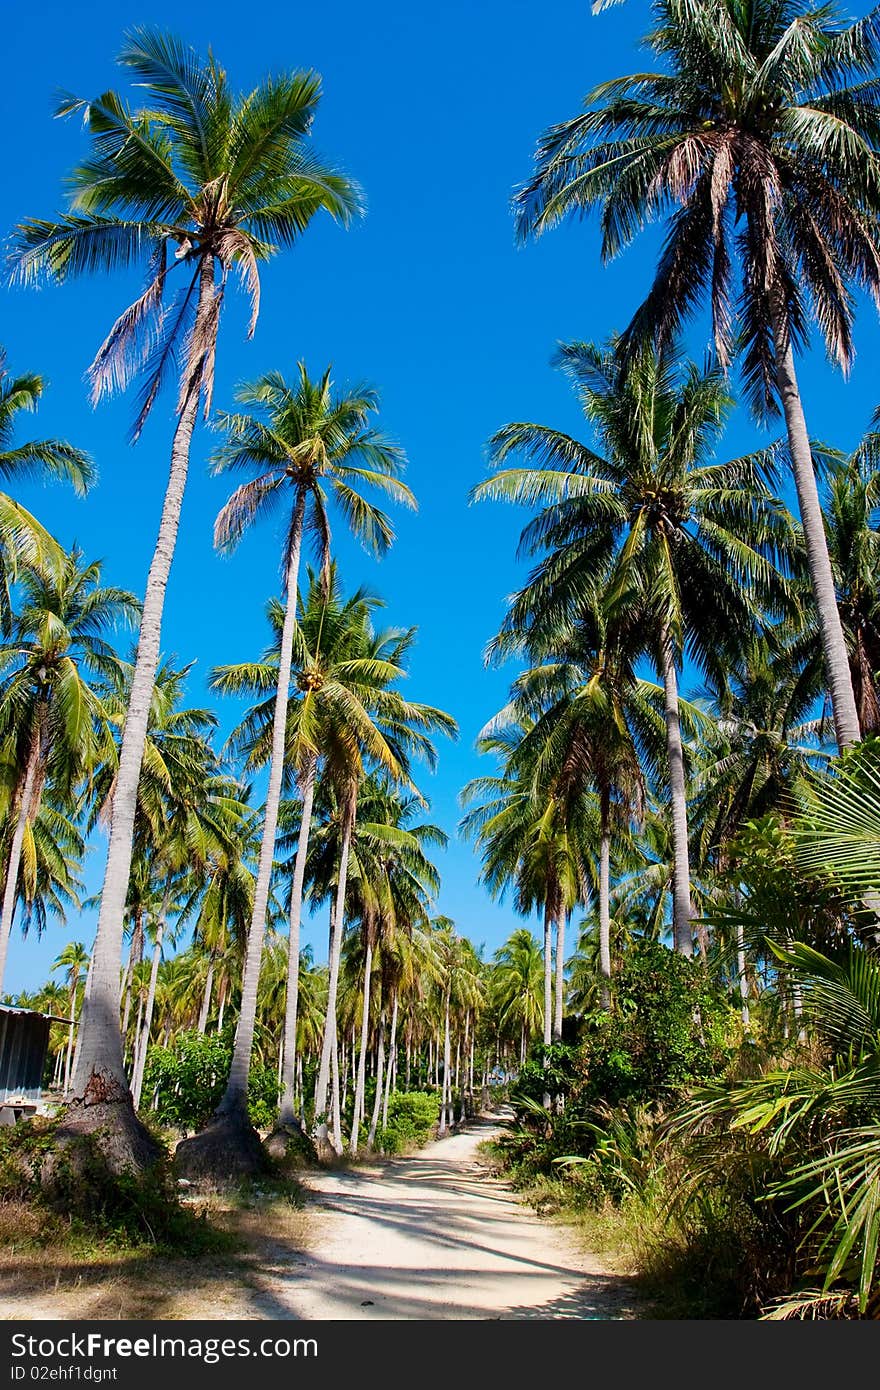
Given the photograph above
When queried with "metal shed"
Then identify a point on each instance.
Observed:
(24, 1040)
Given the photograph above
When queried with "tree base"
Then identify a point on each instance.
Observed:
(291, 1147)
(227, 1151)
(103, 1123)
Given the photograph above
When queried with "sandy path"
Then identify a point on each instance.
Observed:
(431, 1236)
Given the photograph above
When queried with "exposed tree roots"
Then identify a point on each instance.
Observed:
(225, 1152)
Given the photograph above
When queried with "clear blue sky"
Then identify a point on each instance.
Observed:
(435, 110)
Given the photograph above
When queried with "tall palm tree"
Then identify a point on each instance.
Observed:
(196, 182)
(756, 143)
(302, 443)
(654, 519)
(50, 709)
(22, 538)
(404, 726)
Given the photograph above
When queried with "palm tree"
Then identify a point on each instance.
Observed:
(761, 743)
(50, 714)
(516, 987)
(301, 443)
(657, 522)
(596, 727)
(757, 143)
(530, 828)
(390, 887)
(74, 959)
(22, 538)
(331, 665)
(199, 180)
(376, 728)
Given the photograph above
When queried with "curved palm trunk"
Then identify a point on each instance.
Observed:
(234, 1102)
(336, 933)
(360, 1086)
(605, 903)
(137, 1081)
(843, 704)
(682, 932)
(10, 891)
(288, 1072)
(392, 1062)
(548, 993)
(560, 976)
(99, 1061)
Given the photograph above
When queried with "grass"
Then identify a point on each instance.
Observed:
(715, 1261)
(90, 1243)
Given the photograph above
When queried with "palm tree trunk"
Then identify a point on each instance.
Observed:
(336, 1132)
(742, 977)
(234, 1102)
(100, 1051)
(392, 1065)
(10, 890)
(682, 932)
(548, 992)
(362, 1055)
(560, 975)
(446, 1058)
(206, 997)
(380, 1070)
(336, 934)
(68, 1066)
(605, 901)
(86, 987)
(288, 1098)
(137, 1083)
(839, 676)
(135, 956)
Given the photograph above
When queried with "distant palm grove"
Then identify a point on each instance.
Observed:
(680, 798)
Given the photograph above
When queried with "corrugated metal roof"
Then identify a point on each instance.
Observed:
(53, 1018)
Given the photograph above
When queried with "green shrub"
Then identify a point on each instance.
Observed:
(412, 1116)
(188, 1080)
(116, 1210)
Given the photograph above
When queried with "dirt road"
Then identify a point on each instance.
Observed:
(432, 1236)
